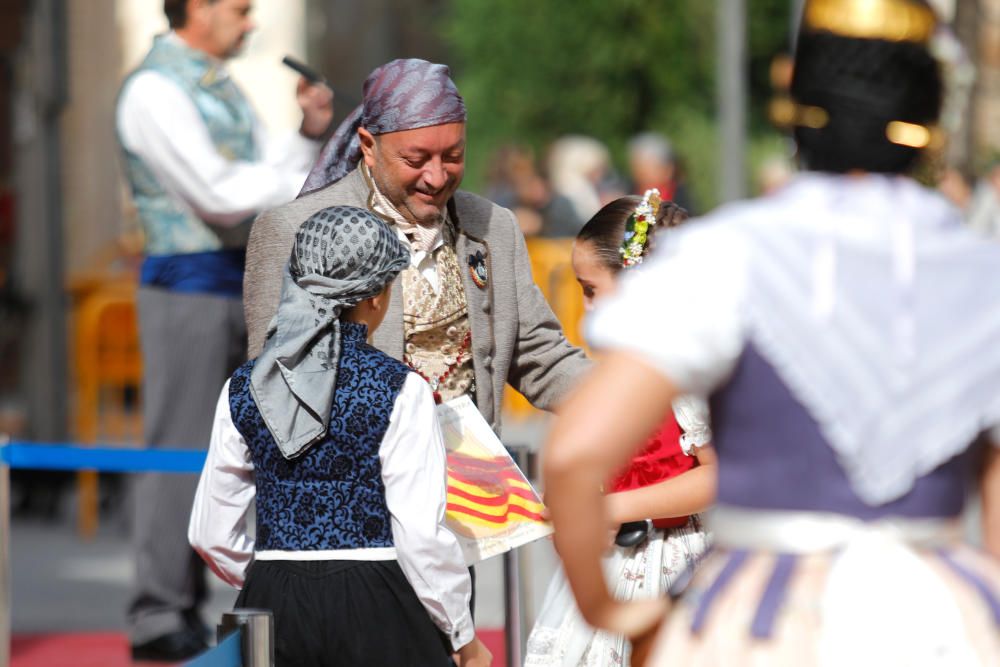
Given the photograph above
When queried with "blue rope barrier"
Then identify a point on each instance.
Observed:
(65, 456)
(227, 654)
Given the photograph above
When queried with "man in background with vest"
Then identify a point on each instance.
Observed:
(200, 168)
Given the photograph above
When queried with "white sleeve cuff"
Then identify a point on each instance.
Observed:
(692, 416)
(463, 632)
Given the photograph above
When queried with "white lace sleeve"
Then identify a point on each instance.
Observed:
(692, 415)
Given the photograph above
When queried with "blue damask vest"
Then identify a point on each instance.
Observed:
(169, 229)
(331, 497)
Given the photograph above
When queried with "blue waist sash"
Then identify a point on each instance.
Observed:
(218, 272)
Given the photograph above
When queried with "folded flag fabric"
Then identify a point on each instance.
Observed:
(489, 491)
(492, 507)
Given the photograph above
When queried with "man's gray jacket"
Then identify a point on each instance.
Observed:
(515, 336)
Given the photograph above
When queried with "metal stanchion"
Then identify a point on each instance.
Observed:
(257, 627)
(513, 618)
(513, 604)
(4, 560)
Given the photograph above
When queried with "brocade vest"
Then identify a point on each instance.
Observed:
(436, 333)
(331, 497)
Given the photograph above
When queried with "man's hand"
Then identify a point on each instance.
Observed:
(474, 654)
(316, 102)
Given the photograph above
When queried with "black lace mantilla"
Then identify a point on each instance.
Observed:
(332, 497)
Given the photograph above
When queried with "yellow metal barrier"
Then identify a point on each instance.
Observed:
(552, 270)
(108, 365)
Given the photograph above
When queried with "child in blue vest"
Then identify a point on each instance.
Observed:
(340, 446)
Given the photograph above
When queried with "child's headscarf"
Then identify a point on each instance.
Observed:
(342, 255)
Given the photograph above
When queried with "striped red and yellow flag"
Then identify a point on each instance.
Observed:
(489, 492)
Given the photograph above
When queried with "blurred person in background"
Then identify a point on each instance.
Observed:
(846, 330)
(579, 168)
(652, 164)
(200, 167)
(652, 503)
(516, 184)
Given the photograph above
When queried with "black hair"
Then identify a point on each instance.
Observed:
(606, 229)
(176, 11)
(863, 85)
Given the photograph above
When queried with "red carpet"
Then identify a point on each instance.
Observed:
(110, 649)
(103, 649)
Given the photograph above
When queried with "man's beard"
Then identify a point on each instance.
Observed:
(398, 200)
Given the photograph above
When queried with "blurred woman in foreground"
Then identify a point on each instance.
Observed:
(846, 329)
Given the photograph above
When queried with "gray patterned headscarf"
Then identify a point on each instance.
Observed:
(342, 255)
(404, 94)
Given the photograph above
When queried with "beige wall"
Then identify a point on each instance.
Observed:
(107, 38)
(90, 164)
(987, 112)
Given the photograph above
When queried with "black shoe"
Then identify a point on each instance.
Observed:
(174, 647)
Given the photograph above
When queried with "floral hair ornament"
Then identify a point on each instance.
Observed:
(638, 227)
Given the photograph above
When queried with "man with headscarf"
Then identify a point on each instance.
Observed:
(465, 314)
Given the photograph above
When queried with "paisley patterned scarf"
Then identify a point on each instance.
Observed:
(404, 94)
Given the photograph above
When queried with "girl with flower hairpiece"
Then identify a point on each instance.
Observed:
(653, 502)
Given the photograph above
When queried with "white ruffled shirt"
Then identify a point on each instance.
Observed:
(875, 306)
(413, 463)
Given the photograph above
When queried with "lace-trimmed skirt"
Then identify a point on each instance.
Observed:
(344, 614)
(561, 636)
(921, 608)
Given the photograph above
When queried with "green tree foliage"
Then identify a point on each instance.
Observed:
(532, 70)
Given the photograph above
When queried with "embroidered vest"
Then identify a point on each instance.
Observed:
(332, 497)
(169, 228)
(436, 333)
